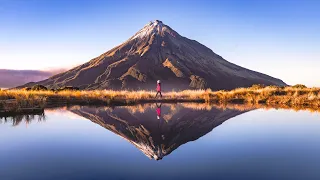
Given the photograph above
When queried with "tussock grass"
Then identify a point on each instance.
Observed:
(293, 96)
(290, 96)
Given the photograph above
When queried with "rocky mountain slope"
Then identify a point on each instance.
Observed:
(158, 52)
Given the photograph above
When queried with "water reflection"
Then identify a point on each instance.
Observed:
(158, 110)
(274, 144)
(157, 137)
(18, 119)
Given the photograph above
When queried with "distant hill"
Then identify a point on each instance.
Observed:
(12, 78)
(158, 52)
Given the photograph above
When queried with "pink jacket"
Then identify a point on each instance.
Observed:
(158, 87)
(158, 111)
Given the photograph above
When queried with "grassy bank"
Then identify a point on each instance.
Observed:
(270, 95)
(293, 96)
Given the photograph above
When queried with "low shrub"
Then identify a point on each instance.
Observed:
(27, 89)
(39, 87)
(68, 88)
(258, 86)
(299, 86)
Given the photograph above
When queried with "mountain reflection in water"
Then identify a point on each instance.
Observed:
(157, 130)
(273, 144)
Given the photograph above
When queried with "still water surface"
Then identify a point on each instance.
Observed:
(184, 142)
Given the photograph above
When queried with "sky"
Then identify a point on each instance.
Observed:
(279, 38)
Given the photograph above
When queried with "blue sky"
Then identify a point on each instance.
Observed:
(279, 38)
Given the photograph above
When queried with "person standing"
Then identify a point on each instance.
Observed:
(158, 88)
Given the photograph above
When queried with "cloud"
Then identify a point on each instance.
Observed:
(63, 111)
(12, 78)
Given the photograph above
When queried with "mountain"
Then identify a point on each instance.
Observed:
(10, 78)
(156, 138)
(158, 52)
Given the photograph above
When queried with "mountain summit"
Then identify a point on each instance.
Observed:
(158, 52)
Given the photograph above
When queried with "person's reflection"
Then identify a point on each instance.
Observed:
(158, 110)
(160, 122)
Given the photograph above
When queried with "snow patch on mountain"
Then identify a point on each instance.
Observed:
(152, 27)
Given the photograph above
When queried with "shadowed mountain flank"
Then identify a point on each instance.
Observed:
(158, 52)
(157, 137)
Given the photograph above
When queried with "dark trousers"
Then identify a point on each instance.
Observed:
(159, 92)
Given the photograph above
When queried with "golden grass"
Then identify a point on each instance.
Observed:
(270, 95)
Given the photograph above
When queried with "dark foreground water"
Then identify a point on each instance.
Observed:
(186, 142)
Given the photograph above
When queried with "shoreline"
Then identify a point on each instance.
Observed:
(20, 101)
(189, 104)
